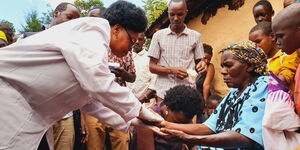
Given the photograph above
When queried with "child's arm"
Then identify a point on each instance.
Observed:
(207, 82)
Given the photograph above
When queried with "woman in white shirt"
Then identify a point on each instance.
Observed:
(53, 72)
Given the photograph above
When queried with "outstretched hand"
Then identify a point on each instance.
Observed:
(171, 135)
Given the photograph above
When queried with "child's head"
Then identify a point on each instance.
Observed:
(208, 53)
(213, 101)
(262, 35)
(212, 104)
(263, 11)
(182, 103)
(286, 28)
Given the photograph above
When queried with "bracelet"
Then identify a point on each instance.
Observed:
(146, 96)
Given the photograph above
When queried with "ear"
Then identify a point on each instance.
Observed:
(115, 30)
(273, 13)
(250, 69)
(56, 13)
(272, 35)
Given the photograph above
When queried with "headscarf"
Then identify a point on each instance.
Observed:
(248, 52)
(3, 36)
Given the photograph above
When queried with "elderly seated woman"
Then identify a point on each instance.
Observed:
(237, 122)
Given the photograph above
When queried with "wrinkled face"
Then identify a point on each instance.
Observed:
(177, 117)
(287, 37)
(138, 46)
(261, 13)
(70, 13)
(177, 13)
(207, 58)
(122, 40)
(263, 41)
(234, 72)
(94, 13)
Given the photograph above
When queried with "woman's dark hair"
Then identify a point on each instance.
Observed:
(184, 98)
(127, 15)
(264, 26)
(265, 3)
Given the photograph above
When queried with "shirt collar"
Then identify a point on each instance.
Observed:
(184, 32)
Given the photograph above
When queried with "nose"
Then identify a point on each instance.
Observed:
(223, 71)
(176, 18)
(260, 18)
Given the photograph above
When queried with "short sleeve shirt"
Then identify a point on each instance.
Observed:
(175, 50)
(242, 114)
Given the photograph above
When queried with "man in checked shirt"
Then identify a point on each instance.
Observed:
(174, 50)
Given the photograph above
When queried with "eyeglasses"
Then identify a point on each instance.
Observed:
(130, 38)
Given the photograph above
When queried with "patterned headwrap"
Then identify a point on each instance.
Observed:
(248, 52)
(3, 36)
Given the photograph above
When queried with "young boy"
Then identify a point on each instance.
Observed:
(263, 11)
(282, 65)
(281, 123)
(203, 82)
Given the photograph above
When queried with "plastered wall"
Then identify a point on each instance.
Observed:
(225, 28)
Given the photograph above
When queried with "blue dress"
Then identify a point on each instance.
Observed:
(242, 114)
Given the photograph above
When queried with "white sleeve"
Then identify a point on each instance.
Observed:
(106, 115)
(85, 49)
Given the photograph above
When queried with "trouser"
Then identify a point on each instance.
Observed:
(98, 133)
(64, 134)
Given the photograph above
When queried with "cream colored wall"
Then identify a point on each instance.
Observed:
(225, 28)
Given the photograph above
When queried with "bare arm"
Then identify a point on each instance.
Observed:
(207, 82)
(228, 139)
(195, 129)
(148, 94)
(125, 75)
(161, 70)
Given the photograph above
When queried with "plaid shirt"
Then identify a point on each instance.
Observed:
(125, 62)
(174, 50)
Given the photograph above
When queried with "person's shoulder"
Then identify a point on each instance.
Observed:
(210, 66)
(161, 31)
(193, 32)
(94, 21)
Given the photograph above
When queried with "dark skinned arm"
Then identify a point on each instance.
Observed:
(207, 82)
(195, 129)
(228, 139)
(148, 94)
(125, 75)
(161, 70)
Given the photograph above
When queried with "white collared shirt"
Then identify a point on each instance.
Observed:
(51, 73)
(144, 78)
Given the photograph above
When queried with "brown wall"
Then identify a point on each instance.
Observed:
(225, 28)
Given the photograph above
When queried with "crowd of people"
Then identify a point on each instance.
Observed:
(91, 83)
